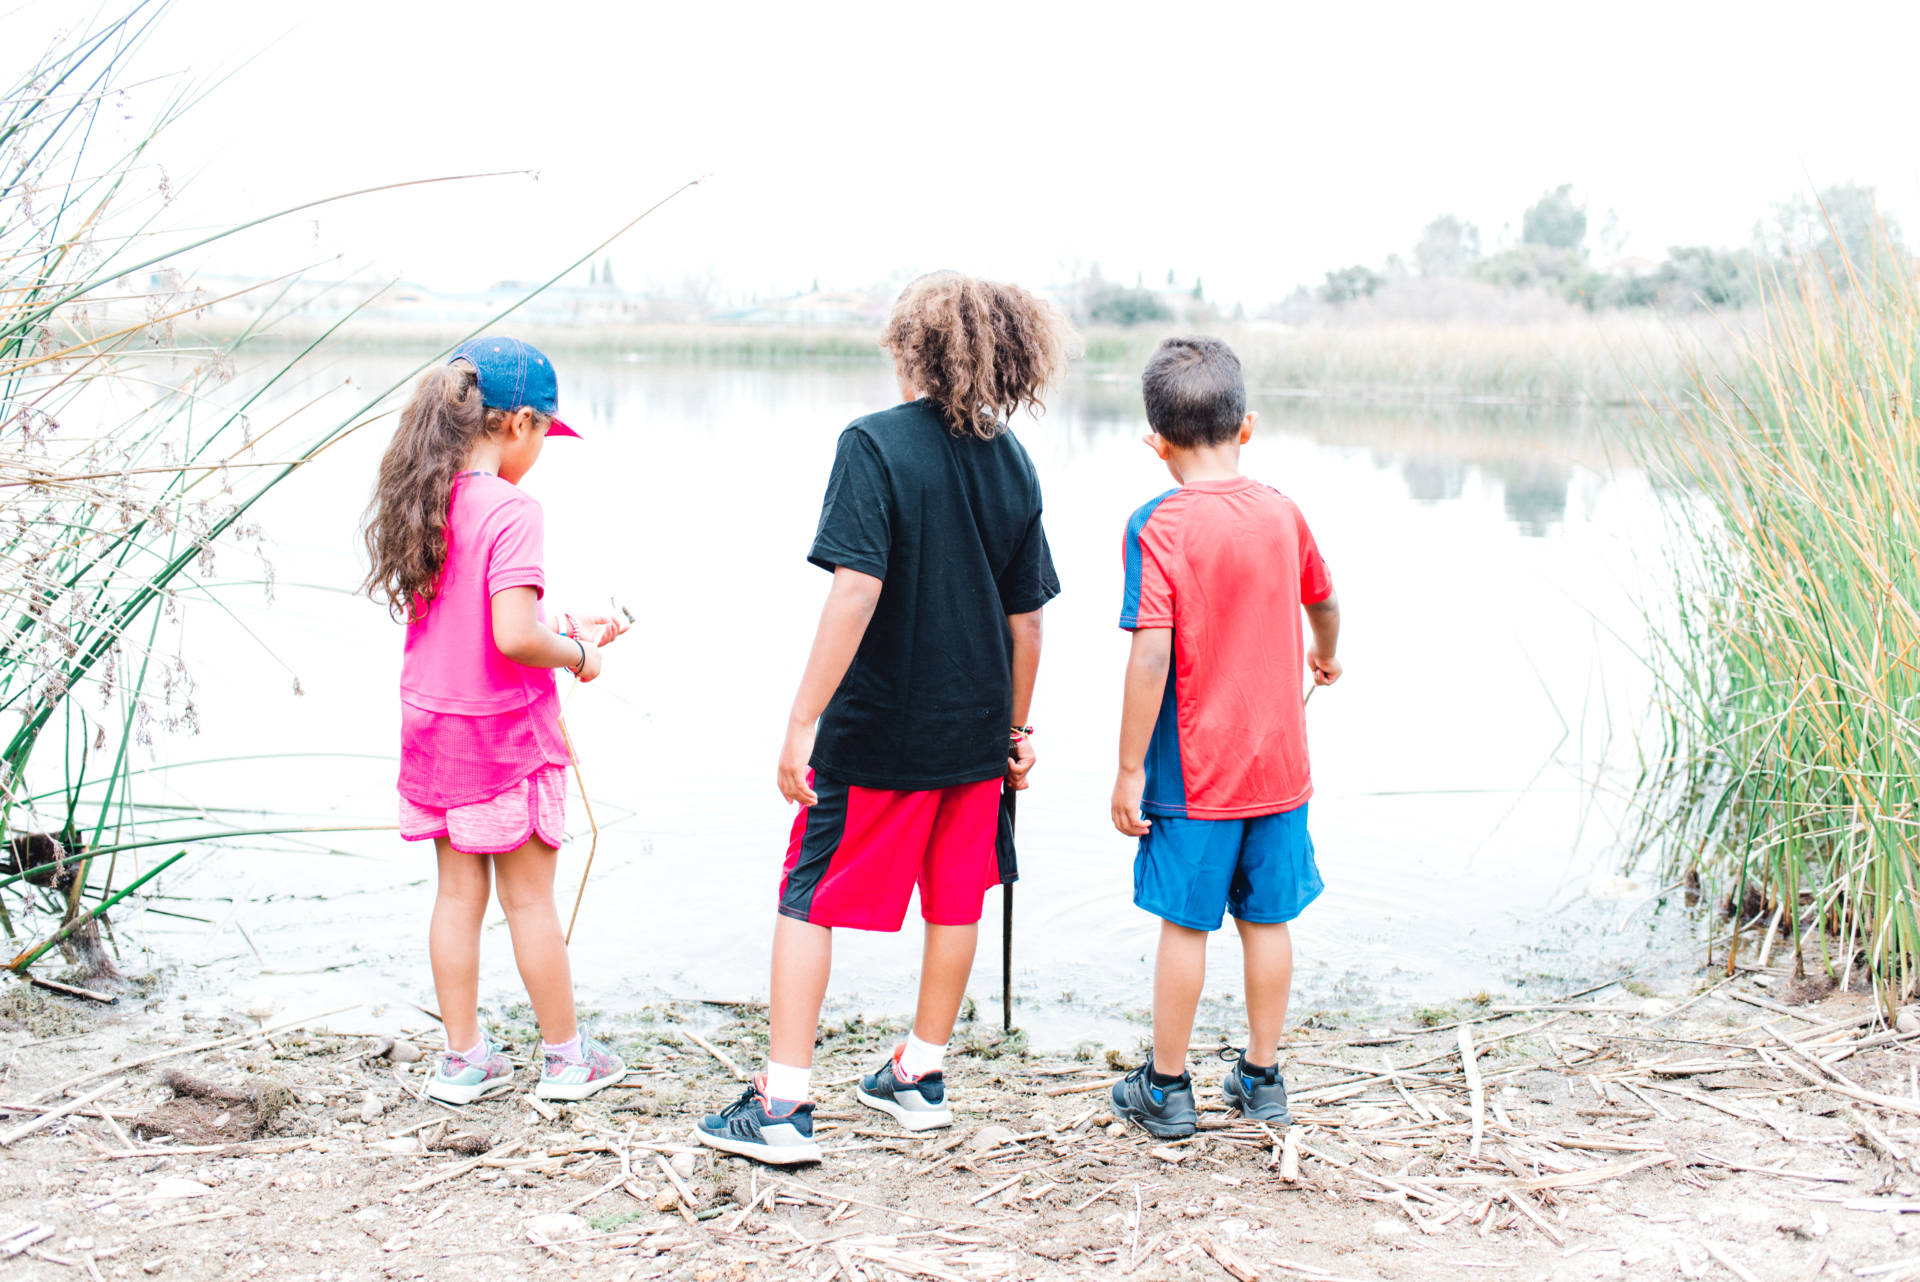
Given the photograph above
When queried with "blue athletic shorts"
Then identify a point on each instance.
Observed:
(1193, 871)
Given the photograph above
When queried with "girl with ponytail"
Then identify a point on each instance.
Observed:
(455, 551)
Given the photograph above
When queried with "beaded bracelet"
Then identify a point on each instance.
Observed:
(1020, 734)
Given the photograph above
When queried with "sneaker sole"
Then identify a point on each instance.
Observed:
(1155, 1127)
(1235, 1106)
(790, 1155)
(914, 1119)
(462, 1095)
(573, 1094)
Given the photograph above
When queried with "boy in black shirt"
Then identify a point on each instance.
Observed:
(910, 716)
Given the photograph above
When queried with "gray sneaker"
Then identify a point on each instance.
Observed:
(1261, 1096)
(1164, 1112)
(918, 1105)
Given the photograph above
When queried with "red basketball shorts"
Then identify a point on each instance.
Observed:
(856, 855)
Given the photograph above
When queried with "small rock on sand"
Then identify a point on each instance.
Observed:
(404, 1144)
(559, 1227)
(1117, 1129)
(989, 1137)
(168, 1190)
(371, 1107)
(402, 1051)
(682, 1164)
(666, 1200)
(1908, 1020)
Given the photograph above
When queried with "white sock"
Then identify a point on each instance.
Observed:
(785, 1082)
(919, 1058)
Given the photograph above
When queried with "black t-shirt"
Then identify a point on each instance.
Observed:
(952, 525)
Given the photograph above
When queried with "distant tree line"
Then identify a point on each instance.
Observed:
(1844, 223)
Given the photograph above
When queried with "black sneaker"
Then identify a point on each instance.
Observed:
(919, 1105)
(1164, 1112)
(751, 1127)
(1261, 1096)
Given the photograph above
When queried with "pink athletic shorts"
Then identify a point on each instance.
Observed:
(856, 855)
(534, 807)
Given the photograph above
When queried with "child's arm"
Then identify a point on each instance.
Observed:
(1146, 684)
(1324, 618)
(843, 622)
(1026, 668)
(518, 634)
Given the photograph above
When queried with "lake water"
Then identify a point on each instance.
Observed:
(1486, 562)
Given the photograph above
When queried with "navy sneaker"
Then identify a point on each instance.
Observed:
(919, 1104)
(1164, 1112)
(1261, 1095)
(777, 1132)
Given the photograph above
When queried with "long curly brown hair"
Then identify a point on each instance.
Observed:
(979, 349)
(406, 523)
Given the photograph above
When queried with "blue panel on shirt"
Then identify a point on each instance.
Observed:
(1130, 605)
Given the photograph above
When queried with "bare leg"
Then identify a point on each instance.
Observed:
(1179, 971)
(539, 948)
(453, 940)
(1269, 959)
(944, 967)
(802, 960)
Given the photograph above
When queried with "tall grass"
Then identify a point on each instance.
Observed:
(1790, 659)
(130, 458)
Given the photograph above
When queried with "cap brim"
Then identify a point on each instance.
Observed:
(557, 428)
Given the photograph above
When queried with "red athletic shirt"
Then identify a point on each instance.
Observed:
(1227, 565)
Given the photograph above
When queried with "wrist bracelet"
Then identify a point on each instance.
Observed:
(576, 667)
(1020, 734)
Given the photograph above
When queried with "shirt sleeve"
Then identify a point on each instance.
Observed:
(1149, 598)
(1029, 581)
(856, 518)
(515, 556)
(1316, 582)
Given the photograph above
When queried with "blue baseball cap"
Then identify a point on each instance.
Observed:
(513, 374)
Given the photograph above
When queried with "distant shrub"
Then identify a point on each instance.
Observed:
(1349, 283)
(1118, 305)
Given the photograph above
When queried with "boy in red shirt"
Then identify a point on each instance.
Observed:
(1213, 737)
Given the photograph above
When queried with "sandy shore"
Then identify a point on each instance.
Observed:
(1712, 1133)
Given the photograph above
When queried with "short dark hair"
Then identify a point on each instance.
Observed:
(1194, 392)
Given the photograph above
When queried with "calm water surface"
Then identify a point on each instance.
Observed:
(1485, 559)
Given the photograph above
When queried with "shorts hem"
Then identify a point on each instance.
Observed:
(1184, 924)
(832, 923)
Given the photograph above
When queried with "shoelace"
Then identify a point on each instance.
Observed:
(740, 1105)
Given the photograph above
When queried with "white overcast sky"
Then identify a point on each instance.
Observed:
(1255, 144)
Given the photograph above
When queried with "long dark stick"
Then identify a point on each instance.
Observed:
(1006, 938)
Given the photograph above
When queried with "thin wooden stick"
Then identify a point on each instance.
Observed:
(1469, 1065)
(53, 1115)
(593, 846)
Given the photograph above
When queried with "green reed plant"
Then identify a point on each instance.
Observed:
(1789, 657)
(129, 459)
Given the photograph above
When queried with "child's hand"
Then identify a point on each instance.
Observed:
(591, 668)
(1019, 762)
(794, 756)
(1127, 791)
(594, 629)
(1325, 671)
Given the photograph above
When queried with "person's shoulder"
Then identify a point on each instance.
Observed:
(907, 416)
(1156, 506)
(497, 502)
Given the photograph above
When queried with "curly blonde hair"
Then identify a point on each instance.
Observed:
(978, 349)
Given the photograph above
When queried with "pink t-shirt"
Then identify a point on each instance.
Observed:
(472, 721)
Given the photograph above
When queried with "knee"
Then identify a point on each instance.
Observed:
(519, 901)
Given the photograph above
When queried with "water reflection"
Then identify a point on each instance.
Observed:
(1456, 838)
